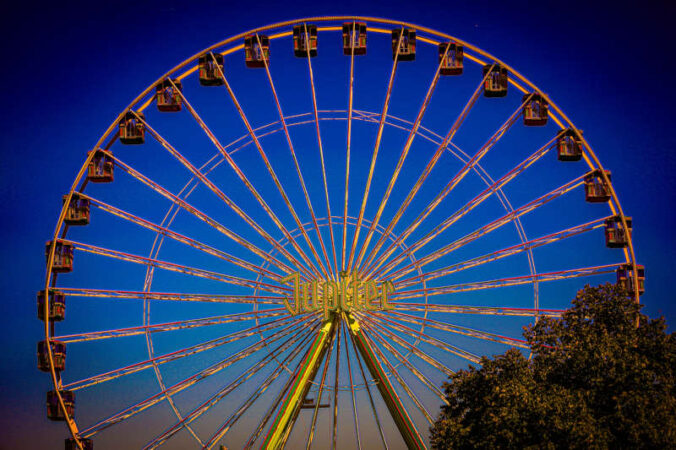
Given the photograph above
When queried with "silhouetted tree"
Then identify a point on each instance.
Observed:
(595, 380)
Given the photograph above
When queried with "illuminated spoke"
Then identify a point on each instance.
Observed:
(513, 281)
(177, 268)
(181, 238)
(295, 160)
(321, 149)
(320, 391)
(399, 379)
(223, 392)
(487, 310)
(381, 127)
(181, 385)
(507, 218)
(200, 215)
(335, 386)
(513, 250)
(402, 158)
(465, 331)
(173, 356)
(171, 326)
(347, 157)
(171, 296)
(355, 415)
(461, 175)
(221, 195)
(428, 169)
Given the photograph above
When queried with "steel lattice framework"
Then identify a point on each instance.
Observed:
(406, 228)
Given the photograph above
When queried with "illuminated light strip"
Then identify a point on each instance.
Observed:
(187, 270)
(509, 251)
(402, 158)
(349, 143)
(383, 117)
(513, 281)
(528, 207)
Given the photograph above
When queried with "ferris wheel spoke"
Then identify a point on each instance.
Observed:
(171, 326)
(507, 218)
(282, 119)
(400, 380)
(509, 251)
(251, 189)
(184, 384)
(171, 296)
(320, 391)
(238, 381)
(465, 331)
(402, 157)
(486, 310)
(173, 267)
(220, 194)
(271, 171)
(347, 156)
(178, 354)
(416, 334)
(386, 330)
(181, 238)
(376, 148)
(355, 414)
(366, 382)
(513, 281)
(469, 165)
(334, 434)
(428, 169)
(321, 150)
(414, 370)
(210, 221)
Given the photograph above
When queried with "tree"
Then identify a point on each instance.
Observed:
(595, 380)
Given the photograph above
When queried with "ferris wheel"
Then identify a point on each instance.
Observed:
(293, 238)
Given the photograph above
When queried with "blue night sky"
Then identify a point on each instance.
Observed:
(70, 69)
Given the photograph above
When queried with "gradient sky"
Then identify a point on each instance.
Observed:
(71, 68)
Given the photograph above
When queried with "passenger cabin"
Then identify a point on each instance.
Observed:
(63, 256)
(77, 212)
(168, 96)
(406, 44)
(450, 61)
(87, 444)
(100, 168)
(616, 237)
(569, 145)
(58, 356)
(208, 67)
(354, 38)
(625, 277)
(132, 128)
(56, 307)
(54, 411)
(495, 84)
(256, 50)
(535, 110)
(301, 35)
(595, 189)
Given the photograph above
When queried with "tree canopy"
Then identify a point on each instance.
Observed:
(594, 380)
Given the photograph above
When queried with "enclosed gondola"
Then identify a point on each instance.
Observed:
(256, 50)
(209, 65)
(304, 37)
(595, 188)
(495, 84)
(406, 44)
(63, 256)
(58, 355)
(535, 110)
(616, 236)
(625, 278)
(100, 169)
(54, 411)
(132, 128)
(168, 95)
(77, 212)
(87, 444)
(569, 145)
(451, 57)
(56, 308)
(354, 38)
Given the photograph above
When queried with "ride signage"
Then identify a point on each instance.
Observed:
(350, 293)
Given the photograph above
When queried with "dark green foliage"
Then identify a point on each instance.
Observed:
(595, 380)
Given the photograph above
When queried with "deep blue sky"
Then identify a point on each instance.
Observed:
(69, 69)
